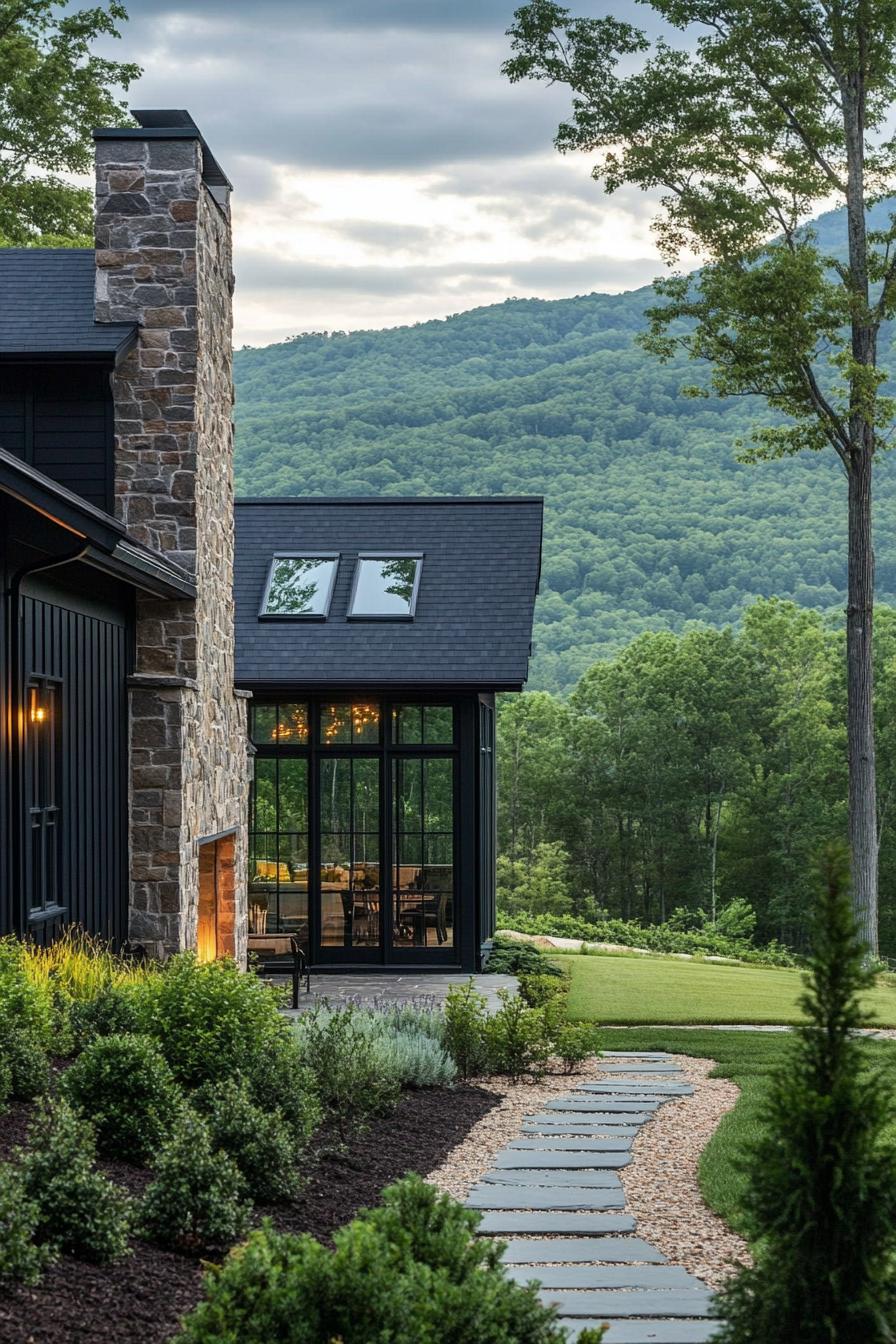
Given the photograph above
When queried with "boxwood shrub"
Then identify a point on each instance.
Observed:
(197, 1199)
(22, 1259)
(260, 1143)
(125, 1087)
(80, 1211)
(211, 1020)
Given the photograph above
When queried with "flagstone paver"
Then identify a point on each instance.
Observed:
(582, 1180)
(649, 1332)
(555, 1199)
(604, 1276)
(589, 1126)
(575, 1144)
(503, 1223)
(604, 1105)
(562, 1161)
(537, 1251)
(641, 1066)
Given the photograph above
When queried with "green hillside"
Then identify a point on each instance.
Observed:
(650, 523)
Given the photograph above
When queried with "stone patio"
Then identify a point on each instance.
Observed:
(388, 988)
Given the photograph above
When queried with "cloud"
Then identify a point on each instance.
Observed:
(384, 170)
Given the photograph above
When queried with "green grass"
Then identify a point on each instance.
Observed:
(749, 1058)
(634, 990)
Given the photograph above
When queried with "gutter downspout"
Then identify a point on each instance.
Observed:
(16, 702)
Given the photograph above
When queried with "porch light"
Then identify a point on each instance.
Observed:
(37, 712)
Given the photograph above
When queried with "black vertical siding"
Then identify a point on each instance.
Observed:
(88, 654)
(59, 418)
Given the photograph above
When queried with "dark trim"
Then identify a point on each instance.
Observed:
(106, 544)
(147, 570)
(98, 354)
(417, 685)
(378, 501)
(37, 491)
(461, 752)
(168, 124)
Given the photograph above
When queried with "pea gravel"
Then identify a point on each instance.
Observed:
(661, 1186)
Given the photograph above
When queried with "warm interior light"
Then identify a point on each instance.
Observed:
(36, 711)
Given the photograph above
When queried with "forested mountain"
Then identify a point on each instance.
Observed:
(651, 523)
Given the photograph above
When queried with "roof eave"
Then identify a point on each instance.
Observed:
(144, 569)
(109, 548)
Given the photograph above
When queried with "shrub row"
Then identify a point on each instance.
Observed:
(654, 937)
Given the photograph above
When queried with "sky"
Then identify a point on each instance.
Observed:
(384, 171)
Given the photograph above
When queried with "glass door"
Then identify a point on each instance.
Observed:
(423, 846)
(349, 871)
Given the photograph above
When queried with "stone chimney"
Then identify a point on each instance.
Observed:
(163, 255)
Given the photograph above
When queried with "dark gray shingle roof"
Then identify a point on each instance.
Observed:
(473, 622)
(46, 304)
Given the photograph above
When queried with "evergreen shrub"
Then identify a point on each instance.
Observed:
(111, 1011)
(465, 1036)
(125, 1087)
(409, 1271)
(820, 1206)
(22, 1259)
(210, 1019)
(80, 1211)
(197, 1199)
(260, 1143)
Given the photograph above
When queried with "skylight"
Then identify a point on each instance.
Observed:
(300, 585)
(386, 587)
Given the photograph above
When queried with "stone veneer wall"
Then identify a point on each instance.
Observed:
(164, 260)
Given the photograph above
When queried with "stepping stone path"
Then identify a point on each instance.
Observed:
(554, 1193)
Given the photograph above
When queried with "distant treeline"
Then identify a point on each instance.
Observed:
(650, 521)
(693, 770)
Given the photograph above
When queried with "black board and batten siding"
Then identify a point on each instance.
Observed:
(68, 784)
(59, 419)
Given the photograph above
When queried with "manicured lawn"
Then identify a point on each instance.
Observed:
(632, 990)
(749, 1058)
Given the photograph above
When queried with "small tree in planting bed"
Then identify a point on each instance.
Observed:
(821, 1205)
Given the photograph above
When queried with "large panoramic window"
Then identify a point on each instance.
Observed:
(385, 587)
(352, 826)
(300, 585)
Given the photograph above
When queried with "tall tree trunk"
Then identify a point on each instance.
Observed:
(860, 606)
(860, 702)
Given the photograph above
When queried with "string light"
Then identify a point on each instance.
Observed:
(361, 716)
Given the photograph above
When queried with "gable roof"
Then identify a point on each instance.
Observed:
(473, 621)
(47, 305)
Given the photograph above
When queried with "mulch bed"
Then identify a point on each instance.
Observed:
(141, 1298)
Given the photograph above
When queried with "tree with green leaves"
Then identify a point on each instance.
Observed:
(53, 91)
(744, 117)
(820, 1206)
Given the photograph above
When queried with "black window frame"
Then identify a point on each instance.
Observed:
(385, 750)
